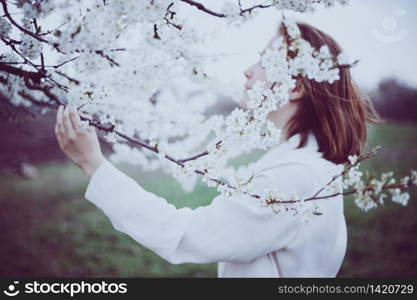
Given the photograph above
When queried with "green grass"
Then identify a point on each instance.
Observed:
(53, 231)
(49, 229)
(381, 242)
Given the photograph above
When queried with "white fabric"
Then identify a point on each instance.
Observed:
(245, 239)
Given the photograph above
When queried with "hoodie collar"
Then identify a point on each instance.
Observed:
(295, 140)
(288, 147)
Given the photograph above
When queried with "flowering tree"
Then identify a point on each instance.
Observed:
(112, 58)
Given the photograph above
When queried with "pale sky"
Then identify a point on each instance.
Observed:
(381, 33)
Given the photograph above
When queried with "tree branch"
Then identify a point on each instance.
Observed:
(203, 8)
(244, 11)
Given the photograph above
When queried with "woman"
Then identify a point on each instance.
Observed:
(322, 125)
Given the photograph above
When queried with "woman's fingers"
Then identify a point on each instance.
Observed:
(84, 115)
(69, 129)
(75, 119)
(59, 124)
(68, 124)
(58, 135)
(91, 129)
(59, 127)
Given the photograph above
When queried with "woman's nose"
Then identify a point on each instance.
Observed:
(248, 74)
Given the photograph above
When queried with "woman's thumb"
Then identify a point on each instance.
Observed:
(87, 116)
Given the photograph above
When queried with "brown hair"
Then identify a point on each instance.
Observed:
(336, 113)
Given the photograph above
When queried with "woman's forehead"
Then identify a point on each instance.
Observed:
(271, 41)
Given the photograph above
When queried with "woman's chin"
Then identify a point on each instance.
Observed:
(243, 101)
(243, 104)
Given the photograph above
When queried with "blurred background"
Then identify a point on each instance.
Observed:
(49, 229)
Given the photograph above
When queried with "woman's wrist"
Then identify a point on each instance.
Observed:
(92, 165)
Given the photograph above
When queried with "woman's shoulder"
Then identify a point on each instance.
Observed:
(286, 153)
(275, 159)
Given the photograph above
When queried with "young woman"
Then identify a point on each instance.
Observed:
(321, 126)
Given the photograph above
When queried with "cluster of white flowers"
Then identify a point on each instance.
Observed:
(231, 10)
(281, 69)
(84, 124)
(316, 64)
(235, 15)
(125, 53)
(30, 47)
(413, 177)
(29, 10)
(36, 9)
(5, 26)
(290, 203)
(363, 197)
(187, 170)
(242, 129)
(332, 188)
(112, 137)
(262, 101)
(277, 67)
(353, 174)
(400, 197)
(306, 5)
(371, 195)
(275, 195)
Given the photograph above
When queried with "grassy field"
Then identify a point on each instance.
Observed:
(49, 229)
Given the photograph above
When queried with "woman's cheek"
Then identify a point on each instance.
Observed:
(244, 100)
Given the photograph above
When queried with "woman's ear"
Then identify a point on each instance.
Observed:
(297, 92)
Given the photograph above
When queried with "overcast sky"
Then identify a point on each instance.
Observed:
(382, 33)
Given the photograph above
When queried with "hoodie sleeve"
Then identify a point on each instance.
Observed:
(229, 229)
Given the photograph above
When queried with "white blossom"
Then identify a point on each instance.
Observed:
(29, 10)
(404, 181)
(414, 177)
(231, 10)
(5, 27)
(343, 59)
(353, 159)
(363, 199)
(111, 137)
(401, 198)
(306, 5)
(84, 124)
(126, 55)
(30, 47)
(352, 177)
(292, 29)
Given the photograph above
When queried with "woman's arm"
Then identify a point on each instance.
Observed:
(232, 229)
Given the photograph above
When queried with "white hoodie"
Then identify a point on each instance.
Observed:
(246, 240)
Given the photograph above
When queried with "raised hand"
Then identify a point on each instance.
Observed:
(80, 144)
